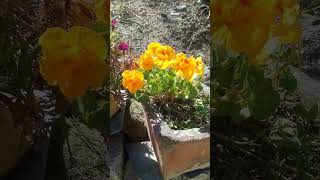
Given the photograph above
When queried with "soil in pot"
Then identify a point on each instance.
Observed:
(184, 114)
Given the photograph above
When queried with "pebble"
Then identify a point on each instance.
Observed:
(181, 7)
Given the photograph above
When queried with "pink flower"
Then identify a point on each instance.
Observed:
(124, 46)
(114, 22)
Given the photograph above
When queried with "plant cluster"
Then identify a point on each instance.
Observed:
(262, 129)
(254, 42)
(76, 61)
(162, 75)
(162, 71)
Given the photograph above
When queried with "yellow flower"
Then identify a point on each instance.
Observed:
(186, 67)
(248, 23)
(288, 34)
(152, 47)
(164, 56)
(146, 61)
(132, 80)
(282, 5)
(200, 66)
(288, 30)
(73, 60)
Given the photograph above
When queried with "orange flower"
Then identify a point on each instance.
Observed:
(188, 68)
(152, 47)
(246, 26)
(133, 80)
(200, 67)
(164, 56)
(288, 30)
(146, 61)
(73, 60)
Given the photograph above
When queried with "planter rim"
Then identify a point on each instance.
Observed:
(172, 145)
(153, 115)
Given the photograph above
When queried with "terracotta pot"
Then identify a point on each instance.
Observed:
(177, 151)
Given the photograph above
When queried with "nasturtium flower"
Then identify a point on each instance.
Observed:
(245, 26)
(146, 61)
(248, 23)
(152, 47)
(133, 80)
(200, 67)
(164, 56)
(282, 5)
(73, 60)
(288, 28)
(186, 67)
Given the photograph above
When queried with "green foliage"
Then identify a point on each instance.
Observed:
(288, 81)
(165, 82)
(239, 85)
(271, 137)
(94, 110)
(263, 100)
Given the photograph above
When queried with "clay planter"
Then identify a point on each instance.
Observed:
(177, 151)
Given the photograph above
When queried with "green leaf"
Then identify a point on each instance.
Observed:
(141, 97)
(309, 115)
(98, 119)
(288, 81)
(229, 109)
(100, 27)
(313, 112)
(225, 73)
(264, 100)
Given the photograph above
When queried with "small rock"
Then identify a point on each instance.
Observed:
(181, 7)
(164, 15)
(174, 13)
(207, 75)
(200, 174)
(135, 125)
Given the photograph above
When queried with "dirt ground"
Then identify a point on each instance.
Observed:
(184, 24)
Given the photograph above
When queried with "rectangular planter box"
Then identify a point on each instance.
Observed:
(177, 151)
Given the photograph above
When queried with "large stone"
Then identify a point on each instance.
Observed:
(308, 88)
(129, 172)
(142, 161)
(135, 125)
(117, 156)
(85, 152)
(177, 151)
